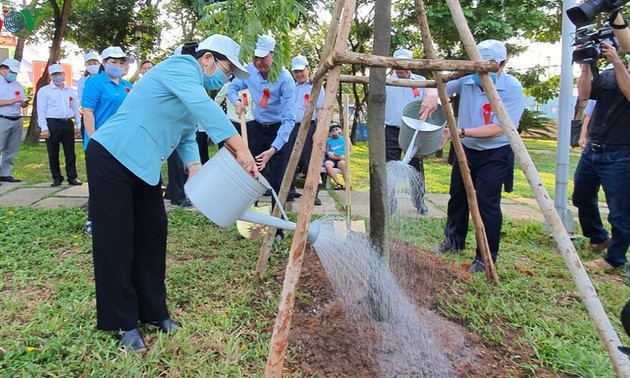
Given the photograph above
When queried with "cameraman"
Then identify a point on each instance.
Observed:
(606, 157)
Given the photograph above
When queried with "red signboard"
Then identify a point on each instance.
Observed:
(38, 71)
(7, 41)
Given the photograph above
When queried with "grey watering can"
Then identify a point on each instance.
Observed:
(417, 137)
(223, 191)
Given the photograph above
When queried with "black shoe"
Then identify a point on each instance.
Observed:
(445, 247)
(423, 209)
(295, 194)
(74, 182)
(476, 267)
(9, 179)
(290, 197)
(267, 193)
(318, 202)
(133, 340)
(56, 183)
(168, 325)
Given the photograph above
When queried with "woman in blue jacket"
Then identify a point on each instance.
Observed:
(124, 158)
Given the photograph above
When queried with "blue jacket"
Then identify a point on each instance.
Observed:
(159, 115)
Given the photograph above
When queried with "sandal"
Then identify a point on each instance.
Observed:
(339, 187)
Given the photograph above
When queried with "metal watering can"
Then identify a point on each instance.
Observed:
(418, 138)
(223, 191)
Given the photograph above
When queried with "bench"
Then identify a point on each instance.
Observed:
(326, 178)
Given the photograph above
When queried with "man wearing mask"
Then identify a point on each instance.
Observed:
(397, 98)
(274, 116)
(487, 149)
(12, 99)
(56, 106)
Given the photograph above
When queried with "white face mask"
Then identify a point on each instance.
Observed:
(92, 70)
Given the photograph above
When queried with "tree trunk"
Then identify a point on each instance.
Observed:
(60, 19)
(376, 120)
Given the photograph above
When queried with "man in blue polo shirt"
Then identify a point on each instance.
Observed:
(274, 116)
(487, 150)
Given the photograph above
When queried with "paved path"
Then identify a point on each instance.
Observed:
(45, 196)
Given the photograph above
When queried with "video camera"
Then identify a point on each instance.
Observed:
(588, 10)
(589, 40)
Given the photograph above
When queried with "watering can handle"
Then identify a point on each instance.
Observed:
(267, 185)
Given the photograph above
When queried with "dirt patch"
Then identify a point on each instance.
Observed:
(324, 342)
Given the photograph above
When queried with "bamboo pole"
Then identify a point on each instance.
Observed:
(265, 248)
(471, 194)
(587, 292)
(279, 338)
(414, 64)
(402, 82)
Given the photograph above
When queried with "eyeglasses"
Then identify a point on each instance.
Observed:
(226, 70)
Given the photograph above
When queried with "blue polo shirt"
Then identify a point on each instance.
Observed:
(398, 97)
(301, 95)
(104, 97)
(279, 107)
(472, 100)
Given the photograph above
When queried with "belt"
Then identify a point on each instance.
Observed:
(267, 125)
(600, 147)
(11, 118)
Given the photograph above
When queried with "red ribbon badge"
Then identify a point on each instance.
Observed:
(416, 92)
(245, 99)
(305, 102)
(17, 95)
(70, 102)
(127, 89)
(265, 98)
(487, 112)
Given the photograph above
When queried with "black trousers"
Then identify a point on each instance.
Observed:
(128, 242)
(393, 152)
(488, 169)
(260, 138)
(61, 133)
(176, 179)
(202, 143)
(305, 157)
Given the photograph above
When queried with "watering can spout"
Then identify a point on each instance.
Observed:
(268, 220)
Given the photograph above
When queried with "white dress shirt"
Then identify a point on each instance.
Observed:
(7, 92)
(55, 102)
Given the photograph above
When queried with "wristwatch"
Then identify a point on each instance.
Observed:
(462, 133)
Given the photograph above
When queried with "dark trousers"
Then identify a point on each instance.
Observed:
(237, 126)
(202, 142)
(61, 133)
(128, 242)
(611, 171)
(393, 152)
(488, 169)
(305, 157)
(176, 179)
(260, 138)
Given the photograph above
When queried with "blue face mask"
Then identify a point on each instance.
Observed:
(216, 80)
(113, 71)
(58, 79)
(92, 70)
(11, 76)
(493, 76)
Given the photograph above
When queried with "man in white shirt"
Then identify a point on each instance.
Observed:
(56, 106)
(11, 100)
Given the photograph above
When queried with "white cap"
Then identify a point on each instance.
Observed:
(264, 46)
(298, 63)
(115, 52)
(491, 49)
(226, 46)
(91, 56)
(403, 54)
(55, 68)
(14, 65)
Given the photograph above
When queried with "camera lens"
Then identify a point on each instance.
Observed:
(586, 54)
(586, 12)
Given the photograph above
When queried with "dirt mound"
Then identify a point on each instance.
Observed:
(325, 343)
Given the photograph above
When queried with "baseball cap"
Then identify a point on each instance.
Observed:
(403, 54)
(226, 46)
(491, 49)
(264, 46)
(91, 56)
(55, 68)
(298, 63)
(13, 65)
(334, 124)
(115, 52)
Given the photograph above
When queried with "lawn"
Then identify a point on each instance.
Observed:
(534, 316)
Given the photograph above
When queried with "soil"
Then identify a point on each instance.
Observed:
(324, 342)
